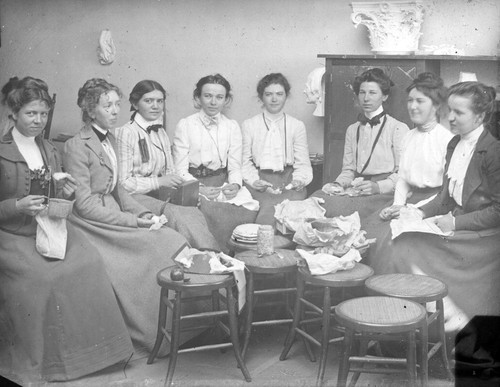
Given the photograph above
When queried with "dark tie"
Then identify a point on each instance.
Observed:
(371, 121)
(100, 135)
(154, 128)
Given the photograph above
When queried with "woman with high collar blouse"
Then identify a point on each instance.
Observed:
(207, 147)
(371, 151)
(59, 319)
(145, 164)
(468, 207)
(112, 220)
(275, 151)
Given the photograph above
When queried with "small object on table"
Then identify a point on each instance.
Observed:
(177, 274)
(265, 240)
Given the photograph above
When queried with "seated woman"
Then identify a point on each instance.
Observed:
(276, 163)
(145, 165)
(468, 205)
(207, 147)
(371, 151)
(422, 161)
(59, 319)
(112, 220)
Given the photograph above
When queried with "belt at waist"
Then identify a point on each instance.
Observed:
(203, 171)
(271, 171)
(377, 177)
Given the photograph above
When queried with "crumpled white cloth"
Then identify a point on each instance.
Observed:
(243, 198)
(51, 235)
(320, 264)
(159, 221)
(293, 213)
(237, 267)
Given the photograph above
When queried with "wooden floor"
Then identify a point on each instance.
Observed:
(214, 368)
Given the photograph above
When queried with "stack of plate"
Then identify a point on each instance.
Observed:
(246, 233)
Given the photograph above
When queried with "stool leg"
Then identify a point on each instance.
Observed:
(216, 306)
(233, 329)
(442, 337)
(411, 358)
(325, 337)
(297, 312)
(174, 345)
(363, 350)
(344, 361)
(424, 361)
(249, 315)
(162, 318)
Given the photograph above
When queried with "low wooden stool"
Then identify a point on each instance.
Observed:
(282, 261)
(422, 289)
(378, 318)
(202, 283)
(280, 242)
(339, 280)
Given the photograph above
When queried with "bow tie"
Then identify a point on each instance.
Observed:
(100, 135)
(154, 128)
(209, 121)
(371, 121)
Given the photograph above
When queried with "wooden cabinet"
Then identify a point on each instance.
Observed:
(341, 105)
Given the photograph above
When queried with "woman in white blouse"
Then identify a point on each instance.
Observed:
(207, 147)
(422, 161)
(145, 164)
(276, 163)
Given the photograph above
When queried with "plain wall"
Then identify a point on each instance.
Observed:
(176, 42)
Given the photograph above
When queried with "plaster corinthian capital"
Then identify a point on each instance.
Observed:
(394, 26)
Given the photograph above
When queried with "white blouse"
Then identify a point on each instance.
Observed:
(422, 162)
(212, 142)
(460, 160)
(29, 149)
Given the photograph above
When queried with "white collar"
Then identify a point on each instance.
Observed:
(273, 117)
(473, 135)
(143, 123)
(206, 117)
(98, 128)
(20, 138)
(376, 112)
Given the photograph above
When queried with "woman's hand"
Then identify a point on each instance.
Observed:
(231, 190)
(31, 204)
(67, 185)
(297, 185)
(446, 222)
(210, 193)
(145, 220)
(261, 185)
(367, 187)
(171, 180)
(391, 212)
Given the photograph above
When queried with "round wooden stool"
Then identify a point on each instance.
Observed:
(422, 289)
(281, 262)
(202, 283)
(339, 280)
(280, 242)
(377, 318)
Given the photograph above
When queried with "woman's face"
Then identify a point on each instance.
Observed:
(420, 108)
(150, 106)
(212, 99)
(106, 111)
(461, 116)
(31, 118)
(274, 98)
(370, 96)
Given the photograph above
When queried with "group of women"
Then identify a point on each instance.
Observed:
(61, 319)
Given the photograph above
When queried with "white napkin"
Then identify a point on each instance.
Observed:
(243, 198)
(320, 264)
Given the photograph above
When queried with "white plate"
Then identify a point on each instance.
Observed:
(246, 230)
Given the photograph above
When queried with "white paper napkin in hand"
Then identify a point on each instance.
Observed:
(320, 264)
(159, 221)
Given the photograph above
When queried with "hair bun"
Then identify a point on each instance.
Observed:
(12, 84)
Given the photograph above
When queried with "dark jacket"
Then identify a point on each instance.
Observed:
(481, 193)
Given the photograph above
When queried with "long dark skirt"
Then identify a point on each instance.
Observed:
(222, 218)
(467, 262)
(132, 258)
(59, 319)
(187, 221)
(267, 200)
(377, 228)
